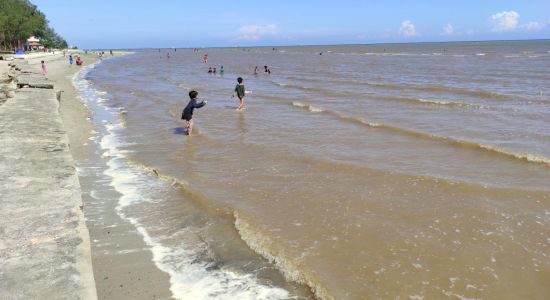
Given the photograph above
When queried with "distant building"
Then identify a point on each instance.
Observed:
(33, 43)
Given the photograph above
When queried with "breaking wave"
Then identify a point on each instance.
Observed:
(533, 158)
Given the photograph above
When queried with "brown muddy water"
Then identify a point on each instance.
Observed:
(413, 171)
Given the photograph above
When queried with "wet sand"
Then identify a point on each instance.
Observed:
(122, 265)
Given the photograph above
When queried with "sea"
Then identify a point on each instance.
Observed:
(388, 171)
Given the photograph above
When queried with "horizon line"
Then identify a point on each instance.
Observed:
(320, 45)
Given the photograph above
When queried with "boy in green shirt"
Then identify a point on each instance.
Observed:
(240, 91)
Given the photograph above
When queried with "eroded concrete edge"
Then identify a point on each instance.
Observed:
(45, 246)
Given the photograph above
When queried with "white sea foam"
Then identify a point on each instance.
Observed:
(189, 277)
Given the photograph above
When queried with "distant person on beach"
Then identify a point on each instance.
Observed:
(111, 51)
(205, 58)
(222, 70)
(168, 55)
(267, 71)
(210, 70)
(256, 70)
(214, 71)
(240, 92)
(187, 113)
(71, 59)
(43, 65)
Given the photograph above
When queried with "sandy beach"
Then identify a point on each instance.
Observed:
(122, 265)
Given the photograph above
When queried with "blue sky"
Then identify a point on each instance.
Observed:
(186, 23)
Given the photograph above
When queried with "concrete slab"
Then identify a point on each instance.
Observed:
(4, 69)
(44, 245)
(34, 81)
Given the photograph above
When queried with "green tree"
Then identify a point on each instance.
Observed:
(19, 19)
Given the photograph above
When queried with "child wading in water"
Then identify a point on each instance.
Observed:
(187, 113)
(240, 91)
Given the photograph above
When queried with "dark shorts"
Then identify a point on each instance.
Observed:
(186, 117)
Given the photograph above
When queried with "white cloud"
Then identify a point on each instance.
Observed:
(505, 21)
(407, 29)
(448, 29)
(256, 32)
(533, 26)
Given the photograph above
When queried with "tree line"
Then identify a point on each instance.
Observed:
(20, 19)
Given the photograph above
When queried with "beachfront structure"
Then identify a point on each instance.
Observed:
(33, 43)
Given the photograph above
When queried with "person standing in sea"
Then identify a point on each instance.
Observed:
(187, 113)
(240, 92)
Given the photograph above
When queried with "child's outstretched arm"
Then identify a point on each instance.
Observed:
(201, 104)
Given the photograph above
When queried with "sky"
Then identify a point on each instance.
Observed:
(224, 23)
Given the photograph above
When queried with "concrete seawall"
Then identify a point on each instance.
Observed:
(44, 241)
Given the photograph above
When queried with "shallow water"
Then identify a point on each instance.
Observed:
(389, 171)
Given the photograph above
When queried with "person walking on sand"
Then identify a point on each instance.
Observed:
(256, 70)
(187, 113)
(239, 91)
(44, 71)
(205, 58)
(222, 70)
(71, 59)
